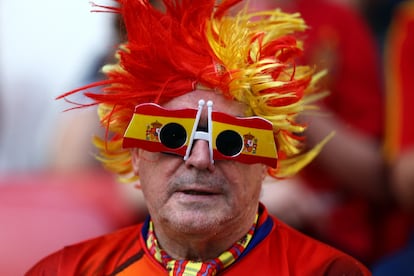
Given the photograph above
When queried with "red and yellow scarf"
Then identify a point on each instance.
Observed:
(194, 268)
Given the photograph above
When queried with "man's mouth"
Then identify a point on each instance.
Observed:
(197, 195)
(194, 192)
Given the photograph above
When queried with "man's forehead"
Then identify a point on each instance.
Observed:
(220, 103)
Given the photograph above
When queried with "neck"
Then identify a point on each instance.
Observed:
(201, 246)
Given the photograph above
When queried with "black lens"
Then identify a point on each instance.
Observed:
(173, 135)
(229, 143)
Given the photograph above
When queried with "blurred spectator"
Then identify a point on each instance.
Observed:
(72, 148)
(342, 194)
(378, 14)
(399, 82)
(399, 138)
(49, 199)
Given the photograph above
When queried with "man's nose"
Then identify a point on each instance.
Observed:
(200, 156)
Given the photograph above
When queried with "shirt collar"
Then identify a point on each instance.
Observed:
(193, 268)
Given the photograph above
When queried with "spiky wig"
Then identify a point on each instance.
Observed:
(248, 57)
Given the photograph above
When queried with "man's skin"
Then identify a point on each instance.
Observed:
(199, 209)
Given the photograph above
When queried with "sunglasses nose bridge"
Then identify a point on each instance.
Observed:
(201, 135)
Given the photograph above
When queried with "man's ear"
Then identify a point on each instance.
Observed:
(135, 160)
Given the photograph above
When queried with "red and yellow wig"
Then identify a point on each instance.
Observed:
(248, 57)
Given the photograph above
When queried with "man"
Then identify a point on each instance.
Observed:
(178, 109)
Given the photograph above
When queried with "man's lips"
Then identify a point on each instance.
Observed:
(201, 194)
(193, 192)
(198, 191)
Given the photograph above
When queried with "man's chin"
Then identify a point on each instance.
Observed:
(197, 221)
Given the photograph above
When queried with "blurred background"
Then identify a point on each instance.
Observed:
(47, 47)
(54, 193)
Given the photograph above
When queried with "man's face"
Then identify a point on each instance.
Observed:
(195, 196)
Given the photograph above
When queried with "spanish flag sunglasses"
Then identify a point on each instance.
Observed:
(247, 140)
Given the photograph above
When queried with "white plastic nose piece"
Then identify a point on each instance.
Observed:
(202, 135)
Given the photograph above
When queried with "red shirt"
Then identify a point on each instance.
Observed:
(276, 249)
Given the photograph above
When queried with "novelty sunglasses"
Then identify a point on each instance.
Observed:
(247, 140)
